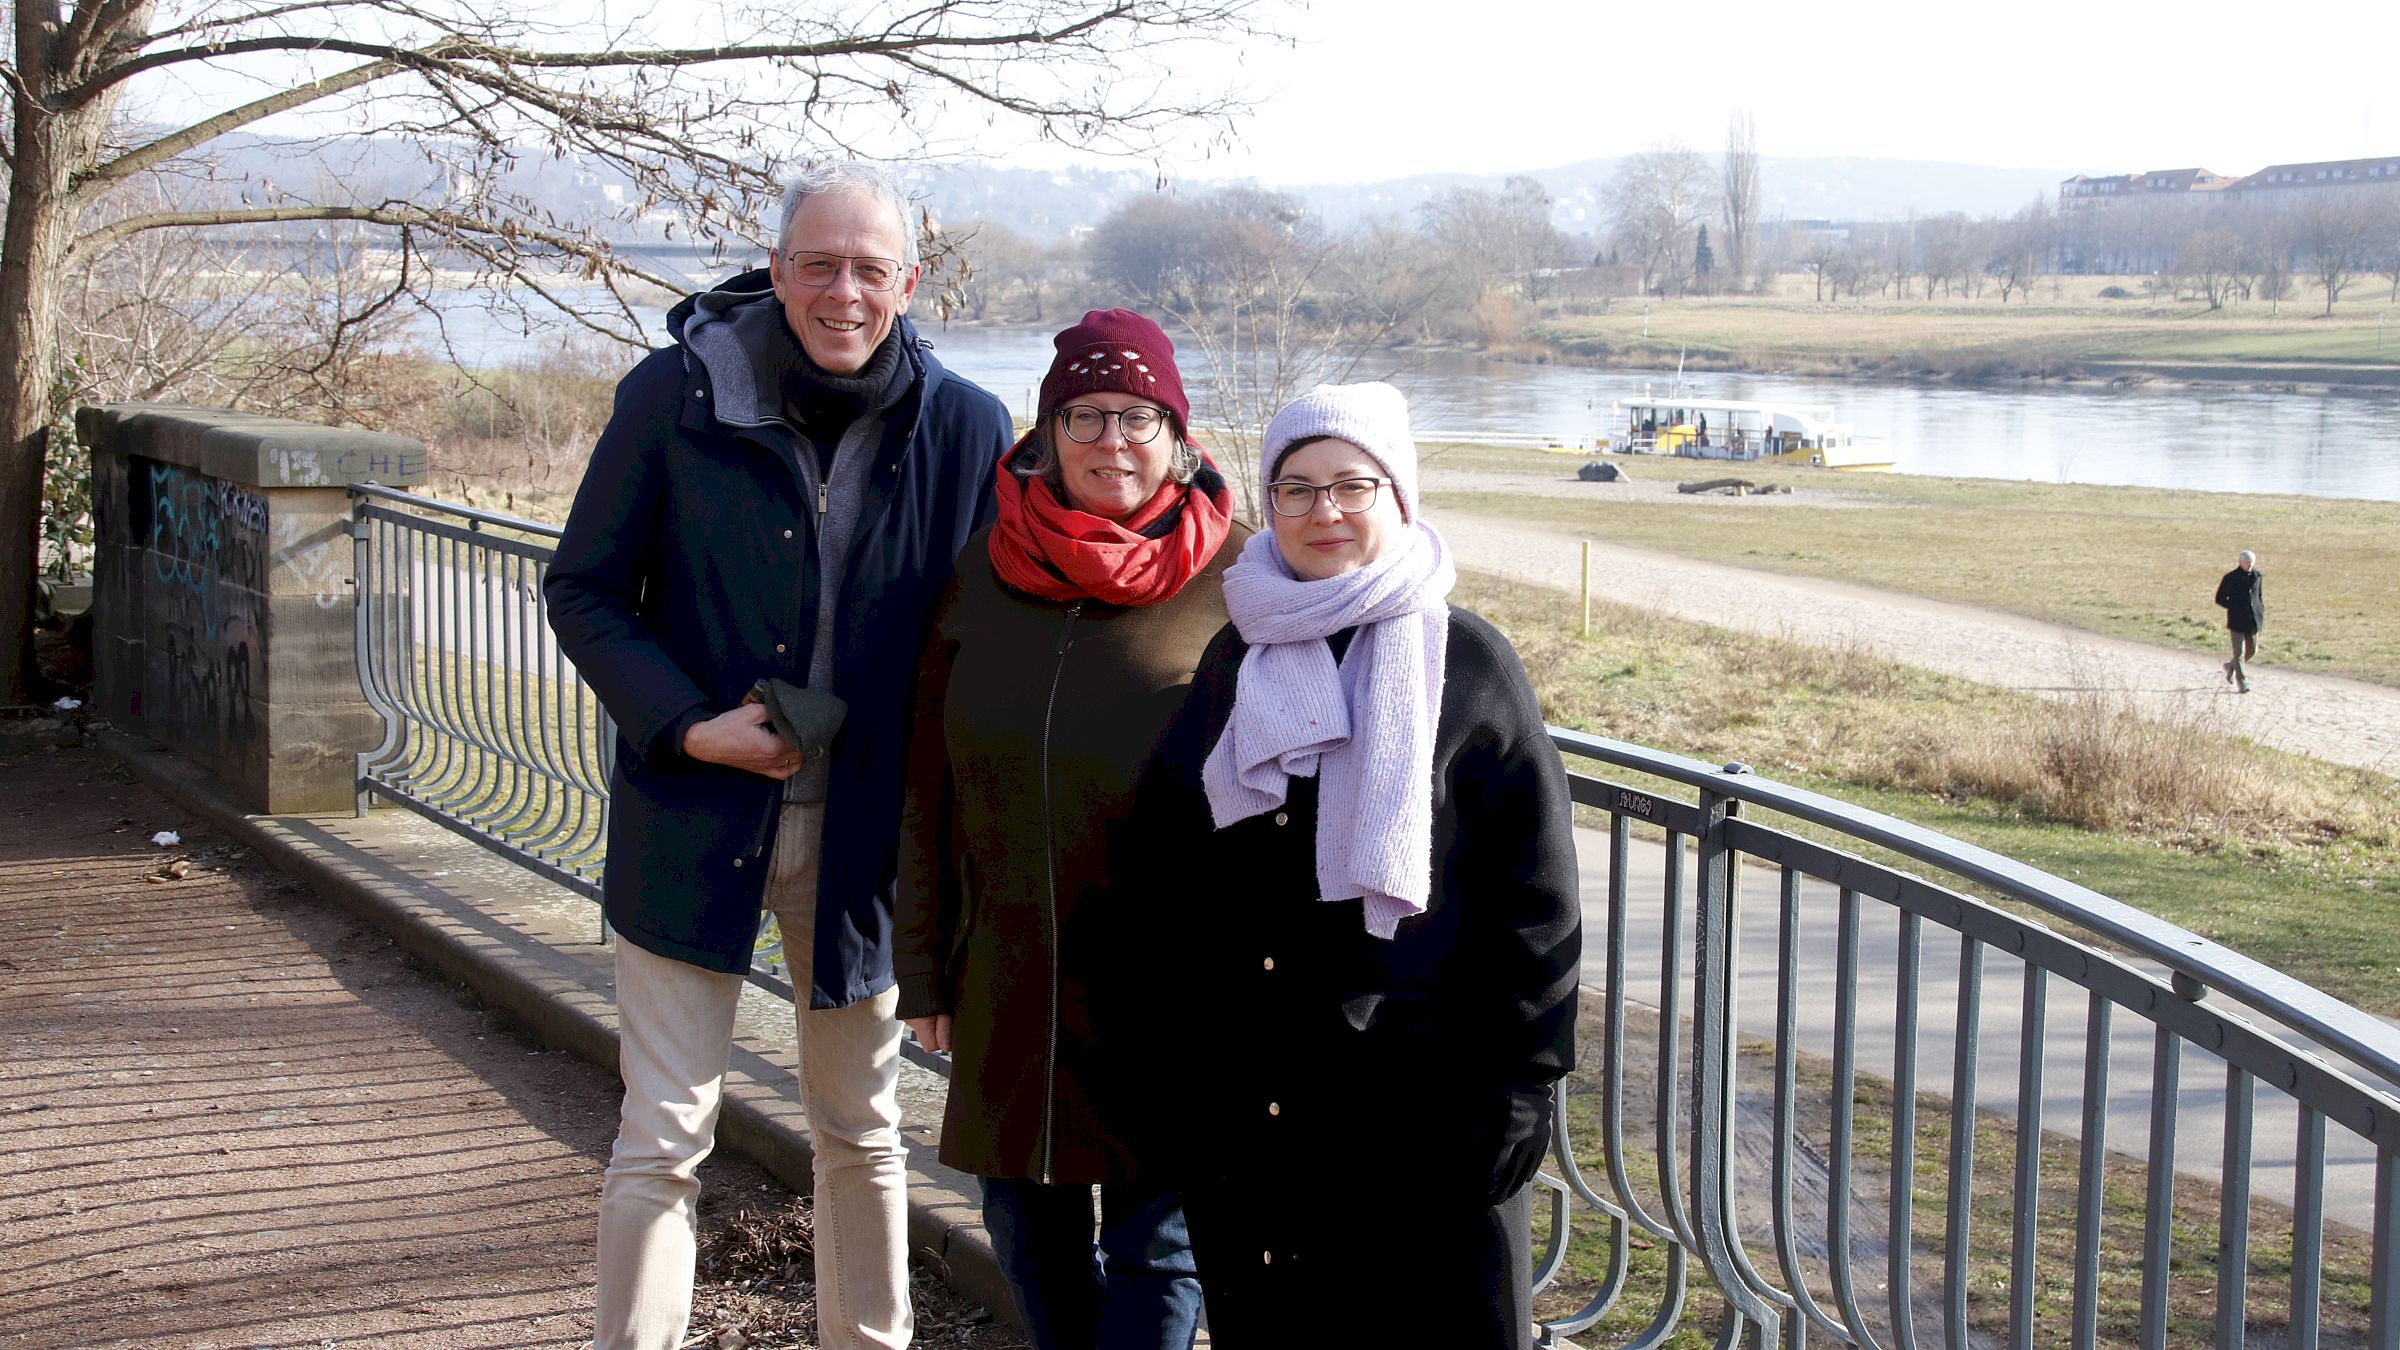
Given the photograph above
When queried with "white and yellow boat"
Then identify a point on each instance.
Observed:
(1738, 429)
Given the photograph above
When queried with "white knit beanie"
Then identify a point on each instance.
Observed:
(1371, 416)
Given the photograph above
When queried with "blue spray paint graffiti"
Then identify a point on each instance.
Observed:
(185, 540)
(208, 547)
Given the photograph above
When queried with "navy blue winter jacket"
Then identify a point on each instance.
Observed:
(687, 572)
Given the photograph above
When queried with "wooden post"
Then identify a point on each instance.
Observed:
(1587, 588)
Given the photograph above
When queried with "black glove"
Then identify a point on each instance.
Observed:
(807, 719)
(1525, 1144)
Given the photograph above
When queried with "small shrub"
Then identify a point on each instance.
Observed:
(66, 537)
(530, 424)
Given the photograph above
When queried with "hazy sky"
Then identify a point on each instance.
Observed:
(1370, 89)
(1381, 88)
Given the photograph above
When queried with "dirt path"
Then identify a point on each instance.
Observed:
(230, 1116)
(2344, 721)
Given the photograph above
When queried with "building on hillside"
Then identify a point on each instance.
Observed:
(2084, 192)
(2128, 223)
(2136, 223)
(2282, 180)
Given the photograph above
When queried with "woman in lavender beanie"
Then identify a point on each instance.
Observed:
(1371, 986)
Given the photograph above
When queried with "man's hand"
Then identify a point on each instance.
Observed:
(741, 739)
(931, 1032)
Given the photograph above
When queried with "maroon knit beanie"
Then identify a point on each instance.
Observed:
(1116, 349)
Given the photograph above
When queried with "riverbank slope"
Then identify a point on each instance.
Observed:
(2067, 330)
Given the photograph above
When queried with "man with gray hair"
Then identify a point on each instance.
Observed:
(2242, 593)
(745, 579)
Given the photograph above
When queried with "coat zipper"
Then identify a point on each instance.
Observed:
(1066, 639)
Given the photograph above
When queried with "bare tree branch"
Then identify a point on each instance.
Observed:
(166, 147)
(678, 124)
(460, 49)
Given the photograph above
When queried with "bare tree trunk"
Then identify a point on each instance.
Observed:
(49, 142)
(29, 248)
(27, 352)
(1741, 197)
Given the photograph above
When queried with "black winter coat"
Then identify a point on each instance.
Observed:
(686, 573)
(2243, 595)
(1292, 1045)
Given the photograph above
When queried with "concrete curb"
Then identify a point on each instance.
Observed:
(565, 1003)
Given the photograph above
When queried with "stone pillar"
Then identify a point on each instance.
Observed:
(224, 606)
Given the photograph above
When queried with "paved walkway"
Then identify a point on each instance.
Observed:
(234, 1113)
(231, 1116)
(2344, 721)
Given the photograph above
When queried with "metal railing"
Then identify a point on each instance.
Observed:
(487, 728)
(1765, 1104)
(1739, 971)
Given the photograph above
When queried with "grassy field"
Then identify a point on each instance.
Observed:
(2136, 563)
(2286, 859)
(2065, 329)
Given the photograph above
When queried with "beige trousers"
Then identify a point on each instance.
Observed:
(675, 1027)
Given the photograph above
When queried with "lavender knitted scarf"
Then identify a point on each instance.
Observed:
(1365, 729)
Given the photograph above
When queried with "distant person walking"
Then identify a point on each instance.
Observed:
(2243, 596)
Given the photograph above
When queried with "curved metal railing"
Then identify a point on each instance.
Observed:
(488, 730)
(1718, 1167)
(1767, 1102)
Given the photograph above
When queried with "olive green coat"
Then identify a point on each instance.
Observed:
(1034, 720)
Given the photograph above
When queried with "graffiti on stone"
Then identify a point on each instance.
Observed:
(208, 550)
(312, 467)
(318, 559)
(186, 536)
(242, 507)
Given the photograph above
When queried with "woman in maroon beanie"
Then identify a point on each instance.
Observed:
(1060, 653)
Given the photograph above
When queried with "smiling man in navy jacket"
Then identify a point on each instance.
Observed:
(780, 493)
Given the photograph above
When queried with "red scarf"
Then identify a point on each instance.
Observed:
(1044, 547)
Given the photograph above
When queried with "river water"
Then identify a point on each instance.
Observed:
(2212, 439)
(2218, 440)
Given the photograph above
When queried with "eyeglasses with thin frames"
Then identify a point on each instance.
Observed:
(1291, 497)
(820, 270)
(1084, 423)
